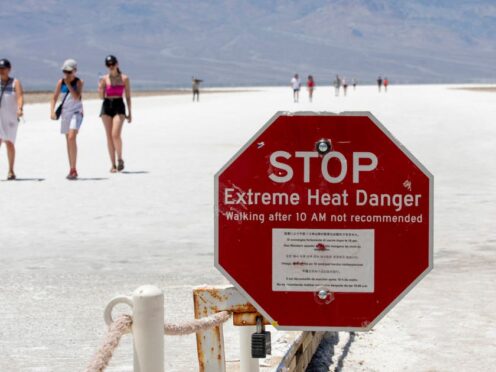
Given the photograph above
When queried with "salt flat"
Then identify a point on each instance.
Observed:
(68, 247)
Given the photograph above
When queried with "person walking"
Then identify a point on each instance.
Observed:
(70, 111)
(354, 83)
(337, 85)
(295, 84)
(195, 85)
(11, 106)
(310, 87)
(345, 86)
(379, 83)
(113, 113)
(386, 83)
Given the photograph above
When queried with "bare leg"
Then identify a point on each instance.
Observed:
(117, 124)
(72, 147)
(0, 143)
(11, 155)
(107, 123)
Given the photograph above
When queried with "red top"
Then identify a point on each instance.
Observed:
(310, 83)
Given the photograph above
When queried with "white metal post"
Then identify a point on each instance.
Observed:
(147, 303)
(148, 329)
(246, 362)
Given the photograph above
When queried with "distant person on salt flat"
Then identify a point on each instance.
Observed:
(195, 85)
(345, 86)
(70, 111)
(386, 83)
(354, 83)
(111, 89)
(379, 83)
(295, 85)
(337, 85)
(11, 105)
(310, 87)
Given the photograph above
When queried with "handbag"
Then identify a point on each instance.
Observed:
(58, 111)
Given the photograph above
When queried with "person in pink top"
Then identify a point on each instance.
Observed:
(111, 89)
(310, 87)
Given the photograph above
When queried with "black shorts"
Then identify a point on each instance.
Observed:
(112, 107)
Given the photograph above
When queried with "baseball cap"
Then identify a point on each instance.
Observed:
(110, 60)
(4, 63)
(69, 65)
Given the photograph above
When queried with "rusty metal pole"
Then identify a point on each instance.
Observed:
(208, 301)
(210, 343)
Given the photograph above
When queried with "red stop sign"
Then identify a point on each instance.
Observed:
(323, 221)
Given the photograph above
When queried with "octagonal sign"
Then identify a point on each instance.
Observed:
(323, 221)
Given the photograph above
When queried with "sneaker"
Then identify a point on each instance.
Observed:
(73, 175)
(120, 165)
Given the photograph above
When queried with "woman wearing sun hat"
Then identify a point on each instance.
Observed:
(111, 89)
(71, 116)
(11, 103)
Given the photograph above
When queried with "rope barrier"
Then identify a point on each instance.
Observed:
(197, 325)
(123, 325)
(117, 329)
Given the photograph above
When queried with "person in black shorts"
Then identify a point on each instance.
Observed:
(112, 107)
(195, 85)
(111, 89)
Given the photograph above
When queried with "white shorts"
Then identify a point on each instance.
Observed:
(71, 120)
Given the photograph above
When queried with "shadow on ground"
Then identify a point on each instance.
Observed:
(25, 179)
(90, 179)
(324, 358)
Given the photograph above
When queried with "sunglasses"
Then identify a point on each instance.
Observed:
(111, 64)
(67, 72)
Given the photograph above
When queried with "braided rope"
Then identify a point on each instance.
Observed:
(117, 329)
(196, 325)
(123, 325)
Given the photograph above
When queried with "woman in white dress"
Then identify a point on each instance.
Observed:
(11, 103)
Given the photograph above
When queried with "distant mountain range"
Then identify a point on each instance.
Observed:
(259, 42)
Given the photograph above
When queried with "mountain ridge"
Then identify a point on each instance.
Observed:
(242, 42)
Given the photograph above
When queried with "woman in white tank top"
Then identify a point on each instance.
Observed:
(11, 103)
(70, 87)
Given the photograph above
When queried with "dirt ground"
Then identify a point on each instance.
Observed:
(45, 96)
(480, 89)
